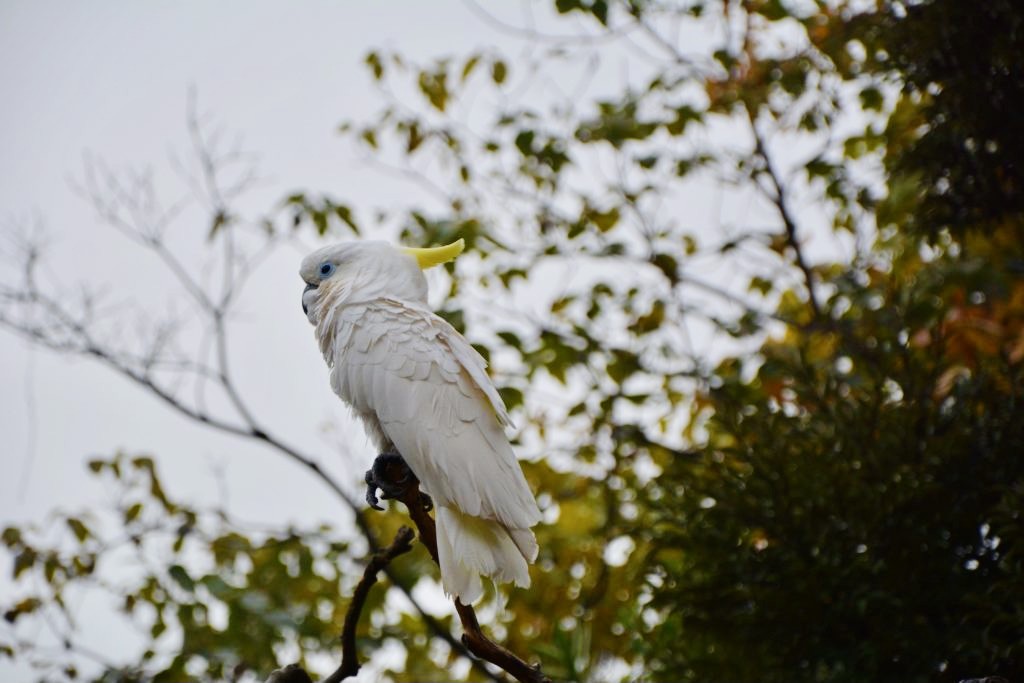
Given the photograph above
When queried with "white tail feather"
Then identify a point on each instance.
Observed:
(471, 547)
(526, 542)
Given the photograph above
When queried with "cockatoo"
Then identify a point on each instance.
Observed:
(423, 392)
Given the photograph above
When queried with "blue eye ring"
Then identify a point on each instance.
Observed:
(326, 269)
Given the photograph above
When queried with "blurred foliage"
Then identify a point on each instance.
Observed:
(217, 599)
(822, 493)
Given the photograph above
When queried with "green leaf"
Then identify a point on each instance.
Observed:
(596, 8)
(373, 61)
(684, 115)
(144, 463)
(499, 71)
(132, 513)
(434, 85)
(652, 320)
(11, 536)
(773, 10)
(511, 338)
(623, 365)
(761, 285)
(512, 397)
(344, 212)
(158, 627)
(217, 586)
(79, 528)
(24, 561)
(668, 265)
(604, 220)
(181, 577)
(524, 141)
(560, 303)
(415, 138)
(469, 66)
(871, 98)
(23, 607)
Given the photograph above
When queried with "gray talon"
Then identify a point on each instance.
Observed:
(371, 491)
(376, 478)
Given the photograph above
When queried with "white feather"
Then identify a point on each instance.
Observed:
(468, 547)
(421, 388)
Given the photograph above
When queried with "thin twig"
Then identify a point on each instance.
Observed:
(381, 559)
(778, 197)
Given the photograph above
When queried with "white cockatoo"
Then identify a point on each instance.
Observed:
(423, 392)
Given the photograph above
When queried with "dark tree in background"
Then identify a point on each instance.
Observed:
(856, 511)
(961, 61)
(831, 489)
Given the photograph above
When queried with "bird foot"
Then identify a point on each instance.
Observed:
(393, 477)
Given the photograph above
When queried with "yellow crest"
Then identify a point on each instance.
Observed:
(434, 256)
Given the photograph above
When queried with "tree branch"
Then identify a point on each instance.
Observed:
(473, 637)
(778, 197)
(349, 656)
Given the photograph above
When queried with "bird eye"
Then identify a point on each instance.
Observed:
(326, 269)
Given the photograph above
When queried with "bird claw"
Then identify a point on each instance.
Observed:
(379, 477)
(371, 491)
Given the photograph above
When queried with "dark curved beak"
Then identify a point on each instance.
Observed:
(305, 309)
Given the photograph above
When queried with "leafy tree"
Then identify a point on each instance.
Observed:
(780, 444)
(855, 512)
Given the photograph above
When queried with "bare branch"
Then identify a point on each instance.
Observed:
(535, 36)
(381, 559)
(778, 197)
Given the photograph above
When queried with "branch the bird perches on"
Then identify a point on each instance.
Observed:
(397, 474)
(394, 476)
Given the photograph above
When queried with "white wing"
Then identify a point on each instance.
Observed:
(429, 391)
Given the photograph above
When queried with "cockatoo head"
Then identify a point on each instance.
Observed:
(362, 271)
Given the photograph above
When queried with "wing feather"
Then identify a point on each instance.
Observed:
(431, 394)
